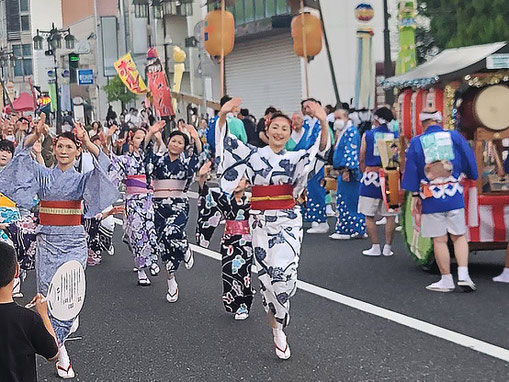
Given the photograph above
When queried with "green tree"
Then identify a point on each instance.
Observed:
(457, 23)
(117, 91)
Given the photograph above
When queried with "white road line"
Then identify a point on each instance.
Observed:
(422, 326)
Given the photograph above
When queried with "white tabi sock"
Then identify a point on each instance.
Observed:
(387, 250)
(63, 357)
(172, 285)
(142, 275)
(503, 277)
(447, 281)
(375, 248)
(279, 338)
(463, 273)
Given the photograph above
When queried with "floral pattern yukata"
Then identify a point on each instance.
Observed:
(347, 158)
(276, 234)
(171, 214)
(236, 250)
(23, 178)
(139, 228)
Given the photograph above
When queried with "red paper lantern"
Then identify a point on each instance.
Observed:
(405, 113)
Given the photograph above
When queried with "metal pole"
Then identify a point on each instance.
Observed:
(304, 45)
(223, 9)
(331, 64)
(58, 116)
(389, 95)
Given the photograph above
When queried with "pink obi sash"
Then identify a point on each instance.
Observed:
(136, 185)
(236, 227)
(169, 188)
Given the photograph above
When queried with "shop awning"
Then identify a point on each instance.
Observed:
(448, 65)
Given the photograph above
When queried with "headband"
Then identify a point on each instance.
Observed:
(380, 120)
(434, 115)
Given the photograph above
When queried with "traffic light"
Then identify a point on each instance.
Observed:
(74, 64)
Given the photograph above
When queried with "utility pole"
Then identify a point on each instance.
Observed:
(389, 95)
(331, 64)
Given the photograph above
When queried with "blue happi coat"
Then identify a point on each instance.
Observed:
(438, 145)
(370, 182)
(315, 204)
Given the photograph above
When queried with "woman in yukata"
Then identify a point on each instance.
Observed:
(60, 237)
(139, 225)
(171, 172)
(236, 248)
(277, 177)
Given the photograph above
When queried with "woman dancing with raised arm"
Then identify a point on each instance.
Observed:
(277, 177)
(60, 235)
(171, 173)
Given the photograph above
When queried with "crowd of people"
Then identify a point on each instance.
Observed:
(60, 194)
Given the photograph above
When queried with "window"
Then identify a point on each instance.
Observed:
(24, 5)
(270, 7)
(23, 65)
(246, 11)
(27, 50)
(259, 9)
(282, 7)
(177, 8)
(141, 11)
(25, 23)
(238, 11)
(249, 7)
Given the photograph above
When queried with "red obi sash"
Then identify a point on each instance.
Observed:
(274, 197)
(136, 184)
(60, 213)
(236, 227)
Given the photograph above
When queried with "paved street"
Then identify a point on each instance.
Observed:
(130, 333)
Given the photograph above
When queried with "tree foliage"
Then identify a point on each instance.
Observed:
(117, 91)
(457, 23)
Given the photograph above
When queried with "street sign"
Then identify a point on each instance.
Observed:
(498, 61)
(85, 77)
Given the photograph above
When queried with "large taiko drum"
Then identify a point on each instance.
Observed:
(486, 107)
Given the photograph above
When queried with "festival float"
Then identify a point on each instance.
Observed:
(470, 87)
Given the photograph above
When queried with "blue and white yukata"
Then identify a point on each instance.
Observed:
(139, 228)
(171, 212)
(236, 247)
(370, 200)
(442, 198)
(23, 178)
(347, 158)
(276, 234)
(315, 210)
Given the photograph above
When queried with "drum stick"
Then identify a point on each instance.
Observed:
(30, 305)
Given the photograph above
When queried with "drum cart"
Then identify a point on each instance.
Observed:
(470, 86)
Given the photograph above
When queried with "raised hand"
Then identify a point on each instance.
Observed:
(157, 127)
(41, 128)
(205, 169)
(192, 131)
(112, 130)
(318, 111)
(230, 105)
(81, 133)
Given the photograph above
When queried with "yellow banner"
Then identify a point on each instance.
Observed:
(128, 73)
